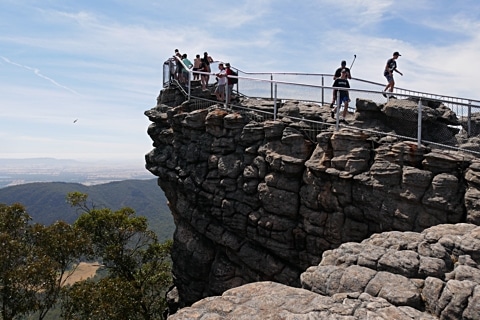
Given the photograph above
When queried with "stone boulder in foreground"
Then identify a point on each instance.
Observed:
(434, 274)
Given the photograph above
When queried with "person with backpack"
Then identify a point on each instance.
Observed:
(208, 60)
(229, 87)
(230, 81)
(185, 73)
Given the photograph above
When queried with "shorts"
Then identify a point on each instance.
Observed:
(344, 98)
(388, 76)
(220, 88)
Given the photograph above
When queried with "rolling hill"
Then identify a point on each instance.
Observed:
(46, 201)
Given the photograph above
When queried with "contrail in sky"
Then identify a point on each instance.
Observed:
(37, 73)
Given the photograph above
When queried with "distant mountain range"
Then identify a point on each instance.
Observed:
(20, 171)
(46, 201)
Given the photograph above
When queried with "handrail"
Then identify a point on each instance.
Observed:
(462, 104)
(418, 93)
(424, 94)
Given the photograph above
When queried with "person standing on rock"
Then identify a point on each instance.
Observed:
(342, 82)
(196, 65)
(208, 60)
(343, 66)
(390, 67)
(222, 80)
(203, 76)
(229, 84)
(185, 72)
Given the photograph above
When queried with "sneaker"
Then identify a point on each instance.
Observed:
(384, 95)
(392, 97)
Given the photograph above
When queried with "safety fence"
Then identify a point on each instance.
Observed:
(312, 88)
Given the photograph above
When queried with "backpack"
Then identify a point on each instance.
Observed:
(233, 80)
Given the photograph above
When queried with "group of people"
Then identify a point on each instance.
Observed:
(201, 64)
(224, 89)
(342, 74)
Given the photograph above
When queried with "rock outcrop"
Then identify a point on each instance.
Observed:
(263, 200)
(394, 275)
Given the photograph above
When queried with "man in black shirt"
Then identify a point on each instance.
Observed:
(390, 67)
(336, 76)
(342, 82)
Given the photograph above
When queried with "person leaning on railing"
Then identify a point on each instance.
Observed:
(222, 79)
(185, 72)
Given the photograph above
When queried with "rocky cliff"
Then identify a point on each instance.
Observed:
(263, 200)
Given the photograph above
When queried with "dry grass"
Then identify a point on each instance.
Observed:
(84, 271)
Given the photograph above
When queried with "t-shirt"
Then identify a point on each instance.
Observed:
(342, 83)
(187, 62)
(391, 65)
(222, 80)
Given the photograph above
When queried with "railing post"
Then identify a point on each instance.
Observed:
(419, 125)
(323, 90)
(189, 84)
(238, 74)
(227, 93)
(275, 103)
(271, 86)
(337, 113)
(469, 119)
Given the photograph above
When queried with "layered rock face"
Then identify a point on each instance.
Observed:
(261, 201)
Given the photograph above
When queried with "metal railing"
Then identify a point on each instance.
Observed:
(278, 87)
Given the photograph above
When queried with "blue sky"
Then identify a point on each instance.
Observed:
(101, 61)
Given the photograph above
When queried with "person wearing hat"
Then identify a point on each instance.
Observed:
(342, 82)
(343, 66)
(390, 67)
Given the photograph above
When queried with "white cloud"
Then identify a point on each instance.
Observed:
(101, 62)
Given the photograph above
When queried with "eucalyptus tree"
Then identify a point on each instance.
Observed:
(35, 260)
(137, 267)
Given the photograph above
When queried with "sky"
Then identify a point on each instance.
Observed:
(77, 76)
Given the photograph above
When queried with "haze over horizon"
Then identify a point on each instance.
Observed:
(76, 76)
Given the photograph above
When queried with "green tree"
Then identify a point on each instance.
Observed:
(138, 267)
(33, 261)
(62, 246)
(15, 296)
